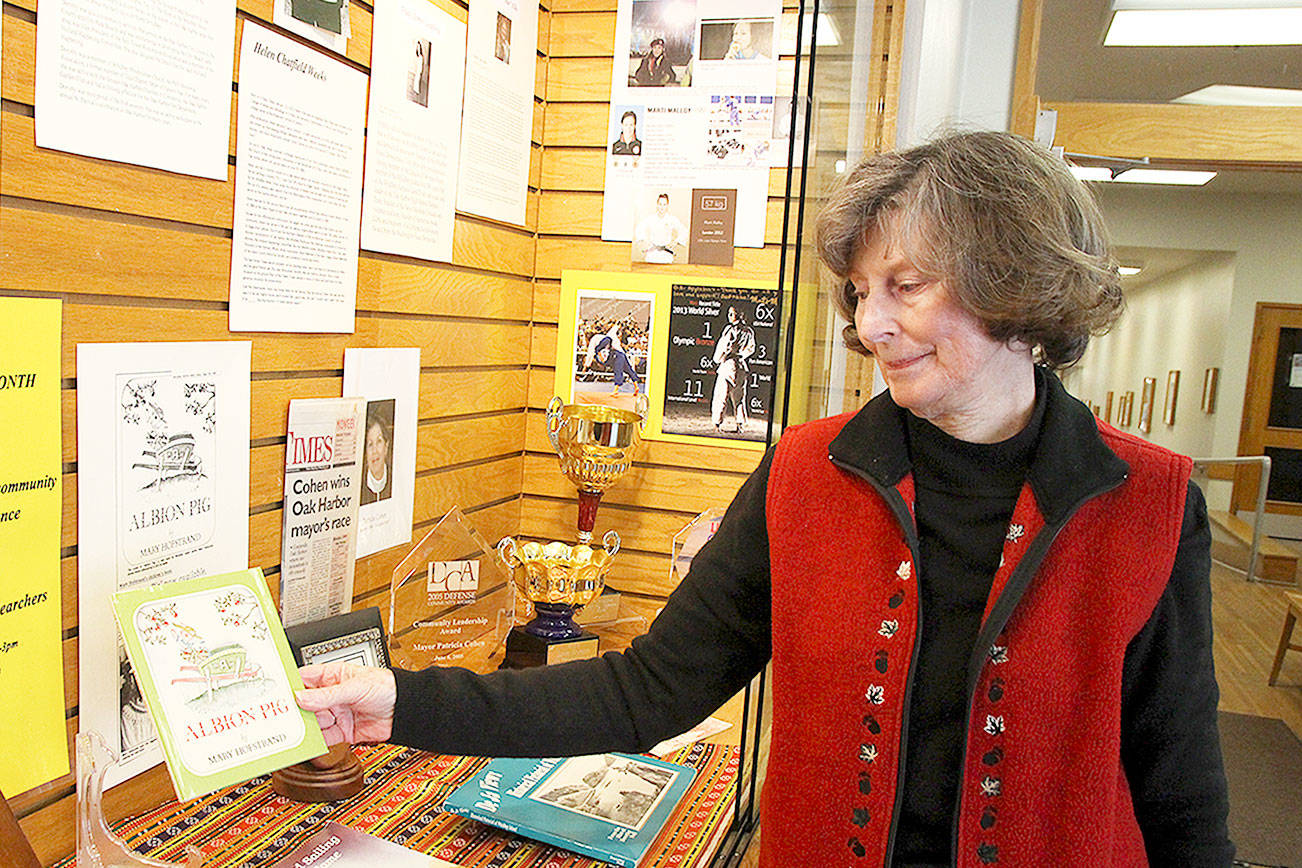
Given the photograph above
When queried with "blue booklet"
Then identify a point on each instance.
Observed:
(609, 806)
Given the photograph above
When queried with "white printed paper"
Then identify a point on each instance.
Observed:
(389, 380)
(409, 202)
(162, 494)
(323, 452)
(298, 188)
(691, 106)
(145, 82)
(497, 124)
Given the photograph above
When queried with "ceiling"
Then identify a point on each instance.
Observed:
(1074, 66)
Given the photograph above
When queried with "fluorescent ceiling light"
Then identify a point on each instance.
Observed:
(1091, 173)
(1205, 22)
(1143, 176)
(1164, 176)
(1129, 270)
(1237, 94)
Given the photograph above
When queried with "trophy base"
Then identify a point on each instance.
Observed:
(330, 777)
(524, 649)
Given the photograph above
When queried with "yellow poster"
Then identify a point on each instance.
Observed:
(701, 352)
(33, 740)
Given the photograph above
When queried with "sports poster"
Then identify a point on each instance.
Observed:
(719, 367)
(625, 335)
(692, 107)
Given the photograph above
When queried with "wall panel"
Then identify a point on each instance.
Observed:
(139, 254)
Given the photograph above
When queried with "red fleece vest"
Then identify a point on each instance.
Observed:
(1043, 783)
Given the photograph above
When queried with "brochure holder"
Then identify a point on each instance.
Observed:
(451, 601)
(96, 843)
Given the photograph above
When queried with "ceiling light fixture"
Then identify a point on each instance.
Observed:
(1240, 94)
(1205, 22)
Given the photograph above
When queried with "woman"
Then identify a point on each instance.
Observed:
(740, 48)
(988, 614)
(628, 144)
(655, 69)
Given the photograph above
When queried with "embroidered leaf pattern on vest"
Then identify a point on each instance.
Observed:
(990, 786)
(994, 724)
(868, 752)
(889, 628)
(1016, 532)
(904, 571)
(876, 694)
(998, 654)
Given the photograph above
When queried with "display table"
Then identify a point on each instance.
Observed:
(249, 824)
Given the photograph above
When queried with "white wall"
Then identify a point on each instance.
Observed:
(1263, 231)
(956, 68)
(1175, 323)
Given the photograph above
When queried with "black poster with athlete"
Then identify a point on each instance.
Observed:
(719, 362)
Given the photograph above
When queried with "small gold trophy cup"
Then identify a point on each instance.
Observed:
(595, 444)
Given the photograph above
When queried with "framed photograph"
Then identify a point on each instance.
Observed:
(1127, 404)
(1172, 390)
(1146, 404)
(1107, 408)
(1210, 378)
(354, 637)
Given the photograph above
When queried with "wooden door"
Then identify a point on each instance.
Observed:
(1272, 410)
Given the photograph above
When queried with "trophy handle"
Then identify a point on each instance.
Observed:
(554, 421)
(611, 543)
(642, 407)
(506, 551)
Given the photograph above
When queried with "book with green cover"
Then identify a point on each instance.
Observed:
(217, 674)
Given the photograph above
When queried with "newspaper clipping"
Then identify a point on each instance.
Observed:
(323, 468)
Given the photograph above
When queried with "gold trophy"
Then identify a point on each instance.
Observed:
(595, 444)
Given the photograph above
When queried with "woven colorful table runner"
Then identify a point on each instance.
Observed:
(250, 825)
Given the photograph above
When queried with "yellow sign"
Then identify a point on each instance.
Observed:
(33, 739)
(703, 351)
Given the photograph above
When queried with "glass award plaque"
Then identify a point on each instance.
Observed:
(451, 601)
(688, 541)
(96, 843)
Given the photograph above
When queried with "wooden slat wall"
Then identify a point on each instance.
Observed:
(138, 254)
(669, 483)
(141, 255)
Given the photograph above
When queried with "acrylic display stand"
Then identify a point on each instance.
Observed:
(688, 541)
(97, 846)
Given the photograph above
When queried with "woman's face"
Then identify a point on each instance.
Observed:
(741, 34)
(377, 450)
(937, 358)
(657, 49)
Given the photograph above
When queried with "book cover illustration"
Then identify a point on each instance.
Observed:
(218, 677)
(610, 806)
(344, 847)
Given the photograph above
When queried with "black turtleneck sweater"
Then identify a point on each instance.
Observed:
(965, 494)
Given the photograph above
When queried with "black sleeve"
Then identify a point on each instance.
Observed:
(1170, 747)
(711, 638)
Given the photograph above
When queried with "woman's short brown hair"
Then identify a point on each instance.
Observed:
(1019, 240)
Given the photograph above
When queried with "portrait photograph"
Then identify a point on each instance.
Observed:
(418, 73)
(377, 452)
(662, 43)
(737, 39)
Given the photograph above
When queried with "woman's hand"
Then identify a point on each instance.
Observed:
(352, 703)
